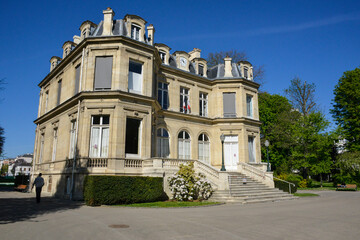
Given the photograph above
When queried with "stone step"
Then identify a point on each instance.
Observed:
(268, 191)
(258, 194)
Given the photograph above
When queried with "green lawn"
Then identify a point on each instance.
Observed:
(306, 195)
(317, 186)
(169, 204)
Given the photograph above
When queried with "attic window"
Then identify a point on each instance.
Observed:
(135, 32)
(162, 56)
(246, 73)
(201, 70)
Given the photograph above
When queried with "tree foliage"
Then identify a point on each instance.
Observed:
(277, 120)
(348, 164)
(302, 95)
(218, 58)
(346, 108)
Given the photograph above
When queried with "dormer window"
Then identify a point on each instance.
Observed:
(135, 32)
(246, 76)
(162, 56)
(201, 70)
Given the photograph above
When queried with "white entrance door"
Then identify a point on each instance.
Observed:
(231, 152)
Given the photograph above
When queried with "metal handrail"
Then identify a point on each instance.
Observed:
(286, 182)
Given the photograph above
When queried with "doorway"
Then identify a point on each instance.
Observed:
(231, 152)
(132, 141)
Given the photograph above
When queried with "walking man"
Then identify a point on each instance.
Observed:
(39, 183)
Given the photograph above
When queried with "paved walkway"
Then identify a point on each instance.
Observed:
(333, 215)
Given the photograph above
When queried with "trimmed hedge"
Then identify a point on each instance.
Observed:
(7, 179)
(110, 190)
(285, 186)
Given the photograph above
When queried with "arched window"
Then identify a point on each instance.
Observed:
(184, 145)
(162, 143)
(204, 148)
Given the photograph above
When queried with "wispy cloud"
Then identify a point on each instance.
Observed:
(304, 26)
(274, 29)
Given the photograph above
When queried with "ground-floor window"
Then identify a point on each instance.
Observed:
(251, 149)
(204, 148)
(99, 140)
(184, 145)
(132, 136)
(162, 143)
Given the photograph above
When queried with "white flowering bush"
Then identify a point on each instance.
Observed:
(186, 186)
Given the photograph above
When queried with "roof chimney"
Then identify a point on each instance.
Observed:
(108, 21)
(228, 67)
(195, 53)
(151, 32)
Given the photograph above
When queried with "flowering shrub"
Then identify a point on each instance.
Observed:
(186, 186)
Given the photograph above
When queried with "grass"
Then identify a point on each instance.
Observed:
(317, 186)
(169, 204)
(306, 195)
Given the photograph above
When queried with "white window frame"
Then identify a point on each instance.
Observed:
(251, 149)
(184, 145)
(204, 147)
(55, 139)
(72, 140)
(162, 139)
(135, 78)
(203, 104)
(184, 100)
(249, 105)
(246, 73)
(135, 32)
(102, 145)
(203, 69)
(162, 89)
(162, 56)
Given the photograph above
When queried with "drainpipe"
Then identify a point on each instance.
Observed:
(34, 156)
(77, 128)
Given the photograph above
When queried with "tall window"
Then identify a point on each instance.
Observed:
(133, 136)
(135, 32)
(162, 56)
(251, 149)
(53, 157)
(41, 147)
(184, 100)
(77, 78)
(162, 143)
(203, 104)
(46, 100)
(163, 96)
(229, 105)
(103, 72)
(201, 70)
(246, 75)
(99, 140)
(204, 148)
(72, 140)
(184, 145)
(59, 92)
(135, 77)
(249, 111)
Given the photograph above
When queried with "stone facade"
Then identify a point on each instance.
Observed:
(118, 103)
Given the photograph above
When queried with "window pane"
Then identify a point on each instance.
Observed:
(96, 120)
(105, 142)
(135, 67)
(106, 120)
(94, 142)
(103, 72)
(229, 104)
(77, 78)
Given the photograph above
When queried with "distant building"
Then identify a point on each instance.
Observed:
(22, 164)
(118, 103)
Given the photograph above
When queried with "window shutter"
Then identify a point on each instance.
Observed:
(135, 77)
(77, 79)
(103, 73)
(229, 104)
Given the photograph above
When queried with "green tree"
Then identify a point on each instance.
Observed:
(302, 95)
(346, 108)
(348, 164)
(4, 169)
(218, 58)
(312, 151)
(277, 118)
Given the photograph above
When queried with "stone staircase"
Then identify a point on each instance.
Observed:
(251, 192)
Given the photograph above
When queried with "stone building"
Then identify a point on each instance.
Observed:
(120, 104)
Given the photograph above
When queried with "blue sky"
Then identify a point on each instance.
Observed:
(314, 40)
